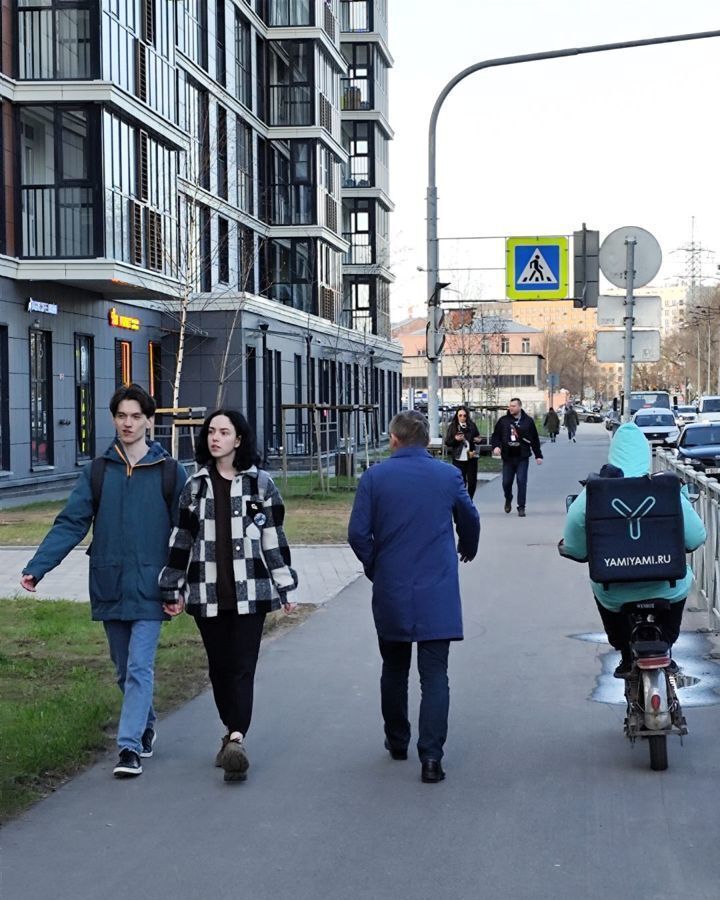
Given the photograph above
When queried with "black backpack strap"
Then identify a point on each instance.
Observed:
(97, 475)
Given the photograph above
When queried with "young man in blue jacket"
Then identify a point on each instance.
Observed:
(630, 452)
(401, 530)
(131, 527)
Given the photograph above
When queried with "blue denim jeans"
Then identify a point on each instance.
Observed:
(432, 661)
(132, 650)
(516, 469)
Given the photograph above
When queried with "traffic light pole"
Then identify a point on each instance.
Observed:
(432, 250)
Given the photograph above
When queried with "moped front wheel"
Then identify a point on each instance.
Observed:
(658, 752)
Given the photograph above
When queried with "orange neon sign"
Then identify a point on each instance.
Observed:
(118, 321)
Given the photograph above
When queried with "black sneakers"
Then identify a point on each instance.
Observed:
(235, 760)
(521, 512)
(148, 740)
(128, 765)
(508, 506)
(623, 670)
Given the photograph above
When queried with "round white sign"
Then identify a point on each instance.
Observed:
(613, 256)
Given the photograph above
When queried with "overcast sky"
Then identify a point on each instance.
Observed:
(613, 139)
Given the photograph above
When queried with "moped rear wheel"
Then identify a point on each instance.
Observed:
(658, 752)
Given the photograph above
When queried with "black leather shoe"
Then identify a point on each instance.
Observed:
(521, 512)
(432, 771)
(395, 752)
(508, 506)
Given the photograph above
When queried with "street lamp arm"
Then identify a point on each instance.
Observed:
(535, 57)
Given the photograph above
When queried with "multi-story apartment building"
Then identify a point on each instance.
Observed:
(172, 177)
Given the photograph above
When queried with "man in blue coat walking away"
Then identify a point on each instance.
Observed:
(131, 508)
(401, 529)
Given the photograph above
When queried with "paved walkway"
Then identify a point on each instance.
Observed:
(544, 798)
(323, 571)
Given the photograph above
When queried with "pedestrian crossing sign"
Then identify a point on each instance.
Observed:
(536, 268)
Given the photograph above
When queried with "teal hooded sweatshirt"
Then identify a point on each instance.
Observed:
(630, 451)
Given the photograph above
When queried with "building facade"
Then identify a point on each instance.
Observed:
(172, 179)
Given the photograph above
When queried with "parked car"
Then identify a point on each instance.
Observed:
(658, 425)
(708, 409)
(685, 414)
(699, 446)
(587, 415)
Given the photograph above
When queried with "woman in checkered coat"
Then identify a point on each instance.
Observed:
(228, 566)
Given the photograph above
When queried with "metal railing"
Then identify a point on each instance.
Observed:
(705, 561)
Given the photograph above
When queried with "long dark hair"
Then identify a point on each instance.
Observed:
(246, 454)
(456, 421)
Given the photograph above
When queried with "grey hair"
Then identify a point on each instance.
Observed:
(411, 428)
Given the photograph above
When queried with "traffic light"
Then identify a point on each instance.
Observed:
(586, 267)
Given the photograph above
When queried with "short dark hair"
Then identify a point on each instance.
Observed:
(411, 428)
(246, 454)
(133, 392)
(515, 400)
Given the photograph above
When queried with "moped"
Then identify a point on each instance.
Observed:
(653, 708)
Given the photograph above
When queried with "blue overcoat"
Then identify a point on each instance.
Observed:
(130, 535)
(401, 529)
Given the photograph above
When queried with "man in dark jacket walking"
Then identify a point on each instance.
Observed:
(571, 422)
(514, 439)
(401, 529)
(131, 527)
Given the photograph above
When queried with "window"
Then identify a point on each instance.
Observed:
(195, 32)
(57, 173)
(244, 158)
(41, 411)
(358, 228)
(155, 370)
(222, 153)
(357, 86)
(526, 345)
(504, 345)
(246, 260)
(205, 250)
(4, 401)
(291, 96)
(289, 272)
(357, 171)
(55, 39)
(123, 363)
(223, 251)
(84, 399)
(289, 12)
(291, 189)
(243, 63)
(220, 66)
(251, 386)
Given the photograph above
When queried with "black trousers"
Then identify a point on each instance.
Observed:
(432, 663)
(619, 628)
(232, 644)
(468, 470)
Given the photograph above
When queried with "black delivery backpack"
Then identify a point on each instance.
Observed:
(635, 529)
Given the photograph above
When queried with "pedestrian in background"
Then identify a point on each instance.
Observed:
(461, 439)
(551, 424)
(131, 520)
(229, 565)
(571, 422)
(515, 439)
(401, 529)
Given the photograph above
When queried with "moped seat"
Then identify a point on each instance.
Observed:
(644, 649)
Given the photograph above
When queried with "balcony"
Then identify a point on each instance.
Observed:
(291, 104)
(57, 44)
(360, 252)
(57, 222)
(356, 93)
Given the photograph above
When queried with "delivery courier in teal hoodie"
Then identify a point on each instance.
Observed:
(630, 452)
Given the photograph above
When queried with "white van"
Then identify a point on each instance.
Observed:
(709, 409)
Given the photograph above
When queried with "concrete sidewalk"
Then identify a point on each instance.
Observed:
(544, 798)
(323, 571)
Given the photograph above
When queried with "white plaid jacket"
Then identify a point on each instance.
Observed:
(261, 555)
